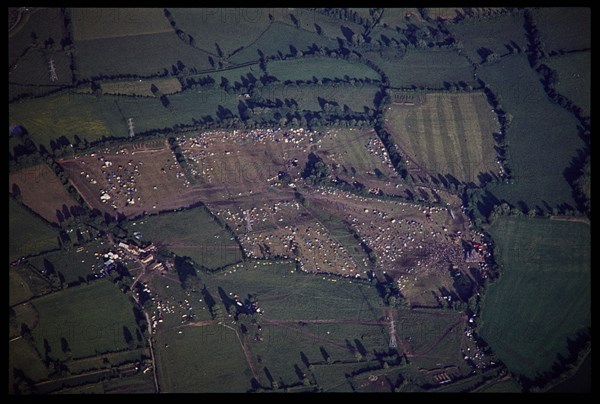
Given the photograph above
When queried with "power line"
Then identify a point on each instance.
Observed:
(53, 76)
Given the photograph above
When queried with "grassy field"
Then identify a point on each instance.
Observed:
(545, 279)
(284, 293)
(574, 73)
(18, 288)
(29, 64)
(278, 38)
(229, 29)
(542, 137)
(309, 97)
(491, 34)
(284, 346)
(95, 23)
(138, 384)
(94, 324)
(72, 265)
(122, 56)
(192, 233)
(201, 360)
(27, 233)
(235, 75)
(34, 284)
(31, 74)
(65, 114)
(501, 386)
(396, 17)
(321, 67)
(45, 22)
(22, 356)
(448, 134)
(141, 87)
(308, 20)
(564, 28)
(41, 190)
(424, 68)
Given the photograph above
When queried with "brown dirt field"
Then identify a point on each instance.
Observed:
(41, 191)
(413, 249)
(243, 163)
(138, 179)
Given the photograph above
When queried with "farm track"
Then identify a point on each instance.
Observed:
(571, 219)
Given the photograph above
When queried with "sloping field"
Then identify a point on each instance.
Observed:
(277, 38)
(320, 67)
(122, 55)
(447, 134)
(542, 137)
(225, 28)
(543, 294)
(135, 179)
(141, 87)
(96, 23)
(424, 68)
(216, 364)
(564, 28)
(41, 191)
(95, 324)
(574, 77)
(491, 35)
(192, 233)
(65, 114)
(27, 233)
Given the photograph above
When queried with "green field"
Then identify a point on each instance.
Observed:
(23, 356)
(192, 233)
(278, 38)
(425, 68)
(564, 28)
(65, 114)
(45, 22)
(574, 77)
(235, 76)
(319, 67)
(201, 360)
(34, 283)
(396, 17)
(90, 118)
(18, 288)
(31, 74)
(543, 294)
(308, 20)
(73, 265)
(308, 96)
(283, 348)
(27, 233)
(229, 28)
(542, 137)
(90, 317)
(169, 85)
(449, 134)
(283, 293)
(503, 386)
(29, 71)
(491, 34)
(94, 23)
(123, 55)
